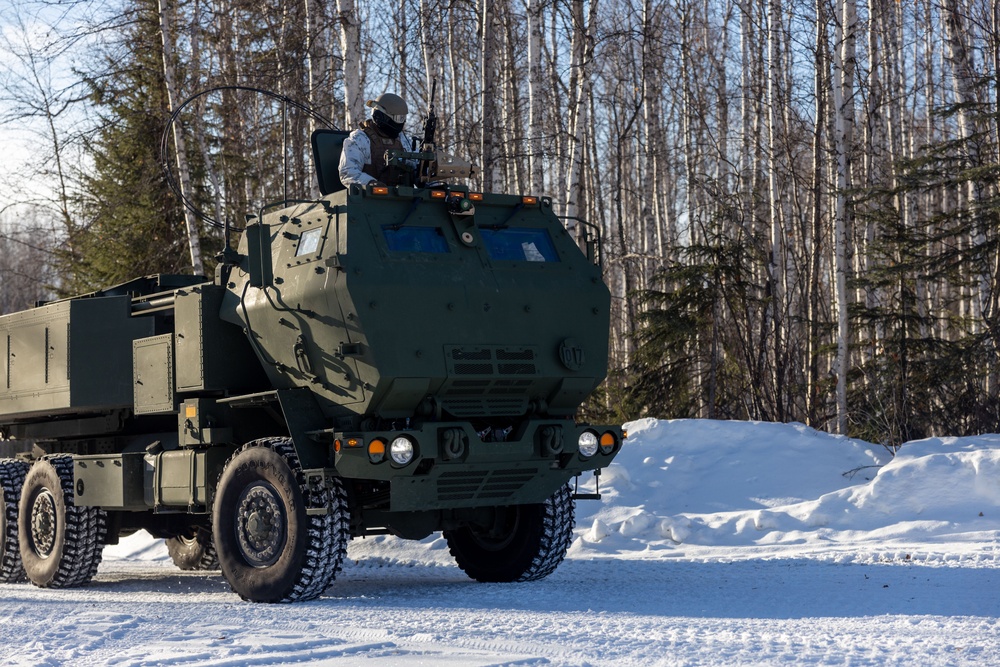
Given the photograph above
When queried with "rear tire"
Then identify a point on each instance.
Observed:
(61, 544)
(193, 550)
(271, 549)
(525, 543)
(11, 480)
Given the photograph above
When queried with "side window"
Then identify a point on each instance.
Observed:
(309, 241)
(415, 239)
(519, 244)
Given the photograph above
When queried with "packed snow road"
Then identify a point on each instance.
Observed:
(598, 612)
(716, 543)
(796, 610)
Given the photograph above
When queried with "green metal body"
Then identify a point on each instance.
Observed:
(473, 327)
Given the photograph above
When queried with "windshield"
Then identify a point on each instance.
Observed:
(519, 244)
(415, 239)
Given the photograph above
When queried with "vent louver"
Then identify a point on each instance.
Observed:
(490, 360)
(496, 485)
(488, 380)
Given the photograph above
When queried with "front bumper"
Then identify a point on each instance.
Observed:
(452, 467)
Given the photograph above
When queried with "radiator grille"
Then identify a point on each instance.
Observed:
(516, 369)
(474, 369)
(504, 354)
(488, 380)
(490, 360)
(484, 406)
(471, 354)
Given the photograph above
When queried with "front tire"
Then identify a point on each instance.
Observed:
(271, 549)
(524, 543)
(61, 544)
(11, 480)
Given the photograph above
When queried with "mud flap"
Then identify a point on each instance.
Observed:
(302, 415)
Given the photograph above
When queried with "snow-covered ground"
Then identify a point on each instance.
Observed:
(716, 543)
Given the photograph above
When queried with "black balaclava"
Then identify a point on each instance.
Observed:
(386, 125)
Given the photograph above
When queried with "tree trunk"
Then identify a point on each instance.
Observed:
(402, 61)
(821, 86)
(491, 171)
(183, 173)
(584, 30)
(843, 102)
(536, 101)
(350, 46)
(428, 43)
(777, 268)
(197, 124)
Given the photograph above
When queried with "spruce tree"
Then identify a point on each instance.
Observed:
(131, 223)
(700, 327)
(931, 363)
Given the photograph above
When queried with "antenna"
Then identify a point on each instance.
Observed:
(430, 126)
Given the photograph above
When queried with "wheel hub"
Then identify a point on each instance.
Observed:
(260, 525)
(43, 523)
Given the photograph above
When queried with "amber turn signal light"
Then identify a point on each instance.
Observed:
(608, 442)
(376, 451)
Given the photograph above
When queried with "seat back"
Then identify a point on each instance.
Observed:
(327, 146)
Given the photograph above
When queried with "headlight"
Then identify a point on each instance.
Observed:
(588, 443)
(401, 450)
(608, 442)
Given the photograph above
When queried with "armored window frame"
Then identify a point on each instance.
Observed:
(415, 239)
(502, 244)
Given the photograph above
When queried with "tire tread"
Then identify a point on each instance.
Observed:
(201, 556)
(85, 532)
(557, 534)
(12, 475)
(544, 537)
(327, 534)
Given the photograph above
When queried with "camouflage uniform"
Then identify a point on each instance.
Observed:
(356, 163)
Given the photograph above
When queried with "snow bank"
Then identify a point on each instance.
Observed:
(713, 489)
(736, 484)
(716, 543)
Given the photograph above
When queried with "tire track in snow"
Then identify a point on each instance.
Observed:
(616, 613)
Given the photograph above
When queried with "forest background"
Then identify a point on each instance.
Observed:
(798, 198)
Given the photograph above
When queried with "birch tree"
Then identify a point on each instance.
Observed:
(491, 175)
(843, 107)
(581, 85)
(821, 86)
(536, 97)
(777, 264)
(350, 49)
(180, 145)
(626, 112)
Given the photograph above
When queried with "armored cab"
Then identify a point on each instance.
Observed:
(382, 360)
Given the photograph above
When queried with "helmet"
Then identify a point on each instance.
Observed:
(389, 113)
(391, 105)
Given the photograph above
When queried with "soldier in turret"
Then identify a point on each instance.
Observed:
(362, 160)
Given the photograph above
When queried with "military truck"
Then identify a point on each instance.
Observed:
(383, 360)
